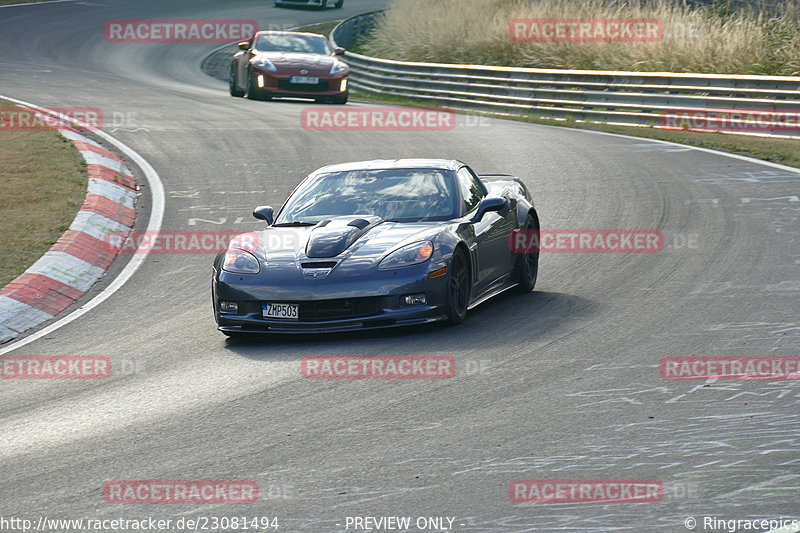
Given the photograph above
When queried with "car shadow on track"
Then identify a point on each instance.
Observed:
(505, 320)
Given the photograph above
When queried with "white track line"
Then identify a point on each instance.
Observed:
(38, 3)
(707, 150)
(154, 225)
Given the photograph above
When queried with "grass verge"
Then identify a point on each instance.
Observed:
(42, 186)
(324, 28)
(706, 39)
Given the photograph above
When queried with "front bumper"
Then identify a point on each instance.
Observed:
(355, 305)
(270, 83)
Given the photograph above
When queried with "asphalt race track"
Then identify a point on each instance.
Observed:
(563, 383)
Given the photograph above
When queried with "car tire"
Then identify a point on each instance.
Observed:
(323, 5)
(338, 4)
(458, 287)
(232, 84)
(252, 90)
(528, 263)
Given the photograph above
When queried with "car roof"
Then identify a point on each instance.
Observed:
(280, 32)
(388, 164)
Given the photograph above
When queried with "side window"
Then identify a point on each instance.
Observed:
(471, 190)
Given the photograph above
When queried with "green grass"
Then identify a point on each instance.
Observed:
(42, 186)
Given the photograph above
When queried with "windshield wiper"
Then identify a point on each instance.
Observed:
(294, 223)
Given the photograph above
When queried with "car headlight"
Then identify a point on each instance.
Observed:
(263, 63)
(338, 67)
(412, 254)
(240, 262)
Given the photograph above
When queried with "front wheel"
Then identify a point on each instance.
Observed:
(252, 89)
(323, 4)
(458, 288)
(338, 4)
(528, 263)
(232, 84)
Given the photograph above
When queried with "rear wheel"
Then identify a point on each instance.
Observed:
(323, 4)
(338, 4)
(458, 288)
(528, 263)
(232, 84)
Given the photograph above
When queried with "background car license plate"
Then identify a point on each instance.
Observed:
(304, 79)
(287, 311)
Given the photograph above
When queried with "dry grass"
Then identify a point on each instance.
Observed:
(42, 185)
(700, 40)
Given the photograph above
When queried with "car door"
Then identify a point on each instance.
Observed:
(491, 255)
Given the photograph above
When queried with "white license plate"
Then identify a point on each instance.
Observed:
(287, 311)
(304, 79)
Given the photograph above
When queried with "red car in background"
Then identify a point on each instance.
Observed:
(284, 63)
(319, 4)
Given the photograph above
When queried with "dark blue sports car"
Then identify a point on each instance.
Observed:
(377, 244)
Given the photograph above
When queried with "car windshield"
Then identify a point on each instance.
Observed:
(402, 195)
(280, 42)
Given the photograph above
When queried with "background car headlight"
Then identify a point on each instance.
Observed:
(240, 262)
(412, 254)
(263, 63)
(338, 67)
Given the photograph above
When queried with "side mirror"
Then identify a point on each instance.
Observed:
(244, 45)
(264, 212)
(339, 51)
(490, 203)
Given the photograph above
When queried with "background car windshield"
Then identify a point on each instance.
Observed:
(292, 43)
(403, 195)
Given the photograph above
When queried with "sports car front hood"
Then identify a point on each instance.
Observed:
(331, 237)
(349, 239)
(316, 62)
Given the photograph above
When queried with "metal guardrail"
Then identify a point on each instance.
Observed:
(660, 99)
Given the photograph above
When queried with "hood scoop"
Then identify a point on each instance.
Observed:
(333, 236)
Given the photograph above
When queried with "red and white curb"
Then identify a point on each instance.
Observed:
(80, 257)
